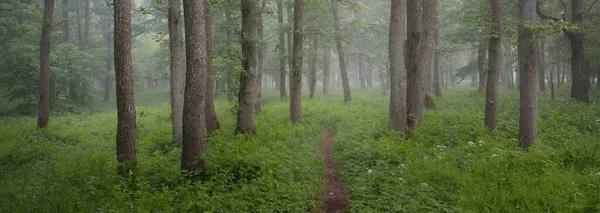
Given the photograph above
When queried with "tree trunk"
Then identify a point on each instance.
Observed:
(340, 49)
(542, 71)
(177, 67)
(65, 21)
(290, 34)
(398, 107)
(260, 49)
(481, 56)
(282, 54)
(528, 66)
(229, 37)
(79, 30)
(326, 71)
(212, 123)
(296, 73)
(369, 73)
(86, 32)
(361, 73)
(194, 126)
(420, 28)
(313, 66)
(437, 87)
(495, 58)
(552, 82)
(248, 92)
(125, 83)
(44, 92)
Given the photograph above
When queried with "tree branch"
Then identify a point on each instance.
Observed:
(541, 14)
(590, 8)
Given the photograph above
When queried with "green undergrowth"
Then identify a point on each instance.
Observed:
(452, 163)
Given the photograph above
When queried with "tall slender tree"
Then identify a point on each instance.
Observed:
(44, 92)
(296, 73)
(212, 122)
(125, 81)
(260, 51)
(542, 65)
(282, 54)
(528, 66)
(341, 54)
(398, 108)
(495, 58)
(312, 76)
(194, 126)
(437, 84)
(481, 56)
(65, 21)
(177, 67)
(248, 93)
(326, 71)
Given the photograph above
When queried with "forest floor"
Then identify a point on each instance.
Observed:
(336, 197)
(451, 163)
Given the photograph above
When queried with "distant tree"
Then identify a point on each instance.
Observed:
(528, 66)
(312, 76)
(44, 94)
(86, 32)
(296, 72)
(481, 57)
(248, 93)
(260, 52)
(340, 49)
(212, 122)
(65, 21)
(125, 83)
(398, 108)
(177, 66)
(194, 126)
(542, 66)
(281, 48)
(495, 58)
(437, 81)
(326, 71)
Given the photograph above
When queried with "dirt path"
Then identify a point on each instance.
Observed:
(337, 196)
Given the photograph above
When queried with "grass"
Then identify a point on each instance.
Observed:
(451, 164)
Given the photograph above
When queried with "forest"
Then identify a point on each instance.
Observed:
(299, 106)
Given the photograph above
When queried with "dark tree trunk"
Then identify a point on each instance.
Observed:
(44, 92)
(528, 66)
(326, 71)
(248, 92)
(313, 66)
(542, 71)
(290, 34)
(229, 37)
(260, 49)
(79, 30)
(481, 56)
(579, 87)
(194, 126)
(65, 23)
(398, 107)
(282, 54)
(420, 28)
(552, 82)
(495, 58)
(212, 123)
(86, 31)
(177, 67)
(437, 87)
(125, 83)
(340, 49)
(296, 73)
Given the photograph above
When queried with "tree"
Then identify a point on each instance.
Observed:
(125, 82)
(281, 49)
(312, 76)
(528, 66)
(65, 21)
(86, 15)
(260, 49)
(326, 71)
(44, 94)
(542, 71)
(177, 67)
(481, 56)
(212, 122)
(398, 108)
(194, 126)
(495, 58)
(437, 84)
(296, 72)
(248, 93)
(340, 49)
(420, 28)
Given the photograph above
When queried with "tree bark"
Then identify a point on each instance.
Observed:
(44, 92)
(421, 27)
(495, 58)
(340, 49)
(194, 126)
(260, 49)
(65, 21)
(125, 83)
(248, 92)
(212, 123)
(481, 56)
(437, 87)
(313, 66)
(177, 67)
(229, 72)
(326, 71)
(282, 52)
(542, 71)
(296, 73)
(398, 107)
(579, 87)
(528, 66)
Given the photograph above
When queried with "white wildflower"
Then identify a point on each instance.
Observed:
(495, 155)
(369, 171)
(425, 185)
(403, 166)
(471, 143)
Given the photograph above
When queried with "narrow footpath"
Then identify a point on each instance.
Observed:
(336, 197)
